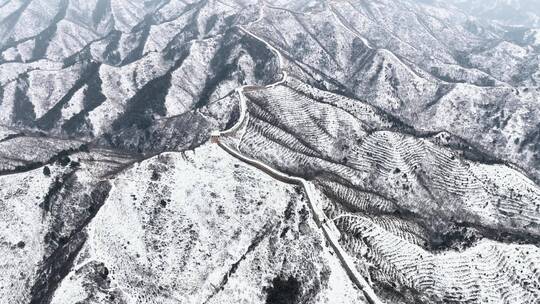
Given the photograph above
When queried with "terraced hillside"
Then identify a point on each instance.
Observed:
(417, 208)
(248, 151)
(363, 50)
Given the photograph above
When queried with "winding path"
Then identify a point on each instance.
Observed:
(327, 226)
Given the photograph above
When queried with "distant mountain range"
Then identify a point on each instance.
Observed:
(524, 13)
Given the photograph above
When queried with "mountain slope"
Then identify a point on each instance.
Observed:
(414, 124)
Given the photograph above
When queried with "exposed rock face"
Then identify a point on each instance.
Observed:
(416, 121)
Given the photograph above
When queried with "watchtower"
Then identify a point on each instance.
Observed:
(214, 137)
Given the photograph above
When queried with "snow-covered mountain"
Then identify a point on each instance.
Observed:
(507, 12)
(380, 151)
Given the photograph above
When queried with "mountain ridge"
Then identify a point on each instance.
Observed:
(416, 122)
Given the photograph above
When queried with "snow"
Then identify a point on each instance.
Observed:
(188, 81)
(120, 84)
(162, 34)
(21, 219)
(535, 34)
(35, 18)
(397, 56)
(69, 39)
(75, 105)
(46, 88)
(6, 107)
(215, 207)
(127, 14)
